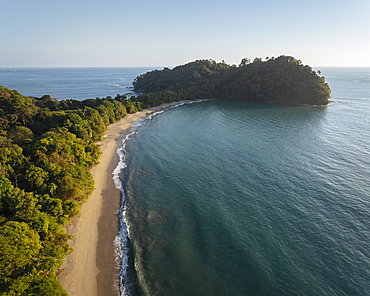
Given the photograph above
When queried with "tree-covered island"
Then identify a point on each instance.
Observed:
(47, 147)
(282, 80)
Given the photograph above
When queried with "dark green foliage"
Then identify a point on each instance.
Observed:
(19, 246)
(195, 74)
(195, 80)
(132, 106)
(34, 285)
(12, 160)
(46, 149)
(12, 102)
(283, 80)
(15, 203)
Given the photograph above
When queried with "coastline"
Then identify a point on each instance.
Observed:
(91, 269)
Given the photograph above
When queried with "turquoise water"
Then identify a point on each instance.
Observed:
(228, 198)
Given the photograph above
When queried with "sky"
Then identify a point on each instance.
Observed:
(166, 33)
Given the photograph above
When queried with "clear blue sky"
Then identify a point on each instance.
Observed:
(89, 33)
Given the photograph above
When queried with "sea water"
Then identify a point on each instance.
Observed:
(227, 198)
(230, 198)
(71, 83)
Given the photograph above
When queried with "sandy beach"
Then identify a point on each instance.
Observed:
(90, 269)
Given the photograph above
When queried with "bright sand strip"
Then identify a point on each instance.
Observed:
(90, 269)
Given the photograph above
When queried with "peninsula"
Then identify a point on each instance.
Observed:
(53, 155)
(281, 80)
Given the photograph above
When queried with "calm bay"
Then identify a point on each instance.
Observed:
(230, 198)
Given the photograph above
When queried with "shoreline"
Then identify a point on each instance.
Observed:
(91, 269)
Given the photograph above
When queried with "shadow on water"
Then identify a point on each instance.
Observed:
(131, 272)
(161, 234)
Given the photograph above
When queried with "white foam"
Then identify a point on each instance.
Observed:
(175, 106)
(178, 105)
(154, 114)
(121, 241)
(187, 103)
(121, 253)
(121, 248)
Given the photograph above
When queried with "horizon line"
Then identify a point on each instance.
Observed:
(86, 67)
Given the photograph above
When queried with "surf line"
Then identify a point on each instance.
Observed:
(121, 241)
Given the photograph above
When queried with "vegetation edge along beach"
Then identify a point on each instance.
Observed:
(48, 149)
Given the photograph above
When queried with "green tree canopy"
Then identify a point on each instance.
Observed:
(283, 80)
(46, 149)
(19, 246)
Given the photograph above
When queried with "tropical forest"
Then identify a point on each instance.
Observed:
(46, 150)
(281, 80)
(47, 147)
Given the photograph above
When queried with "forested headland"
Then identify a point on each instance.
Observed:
(46, 150)
(47, 147)
(281, 80)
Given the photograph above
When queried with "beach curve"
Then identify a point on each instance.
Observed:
(91, 268)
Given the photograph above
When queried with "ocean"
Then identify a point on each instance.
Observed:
(230, 198)
(71, 83)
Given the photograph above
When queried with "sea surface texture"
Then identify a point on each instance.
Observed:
(70, 83)
(230, 198)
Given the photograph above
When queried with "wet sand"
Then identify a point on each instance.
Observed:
(91, 269)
